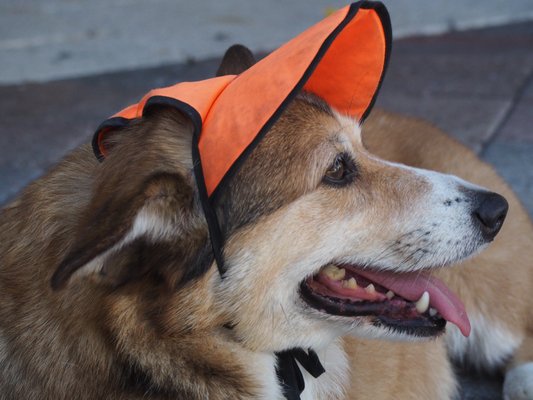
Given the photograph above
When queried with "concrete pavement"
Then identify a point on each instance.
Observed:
(53, 39)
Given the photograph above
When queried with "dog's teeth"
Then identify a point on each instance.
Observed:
(342, 273)
(334, 273)
(390, 294)
(370, 288)
(422, 304)
(330, 268)
(432, 312)
(350, 283)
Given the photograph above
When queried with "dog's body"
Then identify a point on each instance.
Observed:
(146, 315)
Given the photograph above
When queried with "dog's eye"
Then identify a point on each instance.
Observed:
(340, 172)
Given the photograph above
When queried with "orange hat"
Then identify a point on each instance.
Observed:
(342, 59)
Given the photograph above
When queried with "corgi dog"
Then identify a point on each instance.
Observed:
(368, 248)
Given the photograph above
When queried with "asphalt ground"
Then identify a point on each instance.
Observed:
(476, 85)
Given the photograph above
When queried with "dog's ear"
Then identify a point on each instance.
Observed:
(119, 225)
(144, 207)
(237, 59)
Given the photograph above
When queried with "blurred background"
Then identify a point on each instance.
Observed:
(66, 65)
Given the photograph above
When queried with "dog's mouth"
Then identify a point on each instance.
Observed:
(413, 303)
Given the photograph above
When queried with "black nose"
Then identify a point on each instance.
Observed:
(489, 213)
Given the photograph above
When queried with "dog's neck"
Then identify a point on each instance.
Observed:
(332, 384)
(289, 374)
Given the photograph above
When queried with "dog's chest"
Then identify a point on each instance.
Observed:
(334, 382)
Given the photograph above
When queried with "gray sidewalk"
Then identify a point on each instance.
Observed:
(42, 40)
(477, 85)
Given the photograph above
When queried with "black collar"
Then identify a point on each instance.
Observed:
(289, 373)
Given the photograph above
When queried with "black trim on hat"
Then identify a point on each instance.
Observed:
(209, 212)
(111, 123)
(352, 12)
(384, 17)
(189, 111)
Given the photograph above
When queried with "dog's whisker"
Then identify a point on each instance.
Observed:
(284, 314)
(390, 249)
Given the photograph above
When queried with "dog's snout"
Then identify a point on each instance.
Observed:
(489, 212)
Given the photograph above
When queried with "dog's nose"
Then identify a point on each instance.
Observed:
(489, 213)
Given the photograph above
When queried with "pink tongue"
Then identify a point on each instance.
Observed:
(413, 284)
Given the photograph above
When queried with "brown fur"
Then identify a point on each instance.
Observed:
(120, 336)
(394, 370)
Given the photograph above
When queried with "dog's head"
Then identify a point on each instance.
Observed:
(321, 237)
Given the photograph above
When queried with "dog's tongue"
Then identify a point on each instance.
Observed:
(412, 285)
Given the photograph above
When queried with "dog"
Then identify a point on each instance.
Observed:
(319, 231)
